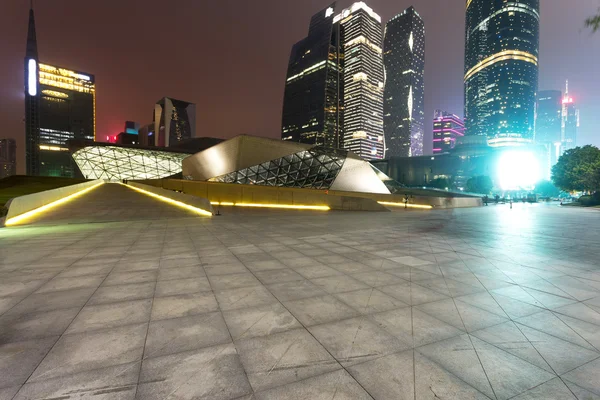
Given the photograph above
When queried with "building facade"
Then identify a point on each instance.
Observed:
(174, 121)
(60, 105)
(548, 125)
(363, 80)
(404, 93)
(8, 158)
(570, 122)
(312, 104)
(501, 70)
(447, 129)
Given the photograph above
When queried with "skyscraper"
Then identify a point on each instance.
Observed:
(174, 121)
(361, 38)
(570, 121)
(60, 104)
(501, 70)
(8, 157)
(404, 105)
(312, 104)
(447, 129)
(548, 126)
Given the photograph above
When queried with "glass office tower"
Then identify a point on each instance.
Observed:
(312, 104)
(570, 122)
(361, 39)
(501, 70)
(404, 94)
(60, 104)
(548, 125)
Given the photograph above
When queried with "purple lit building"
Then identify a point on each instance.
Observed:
(446, 130)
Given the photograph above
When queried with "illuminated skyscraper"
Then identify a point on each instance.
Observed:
(404, 105)
(447, 129)
(60, 104)
(312, 104)
(174, 121)
(501, 70)
(361, 39)
(570, 121)
(548, 125)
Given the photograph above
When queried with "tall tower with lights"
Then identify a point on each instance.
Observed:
(501, 70)
(570, 121)
(361, 37)
(404, 93)
(60, 104)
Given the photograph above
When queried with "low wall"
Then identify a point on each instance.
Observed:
(194, 201)
(228, 193)
(23, 204)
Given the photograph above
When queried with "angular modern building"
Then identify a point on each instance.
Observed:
(404, 93)
(174, 121)
(501, 70)
(8, 157)
(548, 124)
(361, 39)
(60, 105)
(250, 160)
(570, 122)
(312, 104)
(447, 130)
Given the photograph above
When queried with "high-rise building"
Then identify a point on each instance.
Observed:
(174, 121)
(447, 129)
(501, 70)
(312, 104)
(548, 125)
(8, 158)
(60, 105)
(570, 121)
(361, 39)
(404, 104)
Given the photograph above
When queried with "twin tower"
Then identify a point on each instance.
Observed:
(344, 90)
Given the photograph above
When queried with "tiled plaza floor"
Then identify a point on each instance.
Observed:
(486, 303)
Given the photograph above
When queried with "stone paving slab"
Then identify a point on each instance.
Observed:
(487, 303)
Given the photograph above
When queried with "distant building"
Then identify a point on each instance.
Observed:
(130, 134)
(146, 135)
(447, 129)
(548, 125)
(312, 103)
(404, 105)
(362, 37)
(60, 105)
(501, 70)
(8, 158)
(174, 121)
(570, 121)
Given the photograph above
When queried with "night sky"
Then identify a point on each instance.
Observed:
(230, 57)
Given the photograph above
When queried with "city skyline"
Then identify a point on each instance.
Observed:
(263, 116)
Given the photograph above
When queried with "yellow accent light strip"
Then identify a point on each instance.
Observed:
(171, 201)
(387, 203)
(39, 210)
(469, 3)
(283, 206)
(502, 56)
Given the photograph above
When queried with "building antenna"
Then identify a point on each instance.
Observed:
(566, 93)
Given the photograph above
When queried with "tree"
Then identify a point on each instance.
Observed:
(481, 184)
(546, 189)
(593, 22)
(578, 169)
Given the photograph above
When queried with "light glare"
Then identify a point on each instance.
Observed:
(518, 170)
(31, 77)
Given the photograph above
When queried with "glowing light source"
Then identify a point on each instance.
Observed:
(328, 12)
(171, 201)
(501, 56)
(54, 93)
(283, 206)
(518, 170)
(408, 205)
(31, 77)
(19, 218)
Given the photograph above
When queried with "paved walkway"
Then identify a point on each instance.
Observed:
(487, 303)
